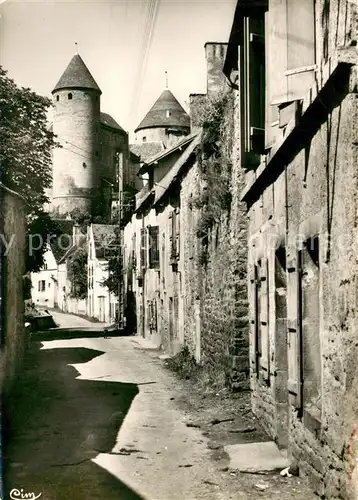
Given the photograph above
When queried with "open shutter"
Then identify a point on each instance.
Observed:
(177, 232)
(254, 87)
(253, 312)
(293, 332)
(292, 49)
(143, 248)
(171, 218)
(264, 326)
(271, 111)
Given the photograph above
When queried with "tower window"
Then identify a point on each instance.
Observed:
(168, 113)
(57, 98)
(70, 95)
(84, 165)
(144, 139)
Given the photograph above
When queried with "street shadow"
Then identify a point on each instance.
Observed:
(54, 424)
(75, 333)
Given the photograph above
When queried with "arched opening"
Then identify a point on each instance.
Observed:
(57, 98)
(70, 96)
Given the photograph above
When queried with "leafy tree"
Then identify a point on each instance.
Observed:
(114, 267)
(78, 273)
(26, 144)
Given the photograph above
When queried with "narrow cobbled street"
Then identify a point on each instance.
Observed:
(102, 418)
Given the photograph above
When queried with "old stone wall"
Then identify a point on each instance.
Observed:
(215, 303)
(315, 196)
(13, 341)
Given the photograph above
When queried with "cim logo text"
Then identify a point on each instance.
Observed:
(16, 494)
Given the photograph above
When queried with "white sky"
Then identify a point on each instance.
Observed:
(37, 42)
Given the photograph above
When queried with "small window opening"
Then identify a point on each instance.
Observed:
(84, 165)
(144, 139)
(169, 113)
(70, 96)
(57, 98)
(312, 247)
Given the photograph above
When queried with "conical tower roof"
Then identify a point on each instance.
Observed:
(166, 112)
(76, 76)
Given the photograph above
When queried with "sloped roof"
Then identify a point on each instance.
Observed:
(76, 75)
(163, 154)
(107, 120)
(174, 173)
(58, 245)
(146, 150)
(157, 115)
(82, 240)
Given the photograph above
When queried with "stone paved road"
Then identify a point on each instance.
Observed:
(98, 418)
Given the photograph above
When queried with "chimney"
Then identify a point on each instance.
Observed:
(197, 102)
(215, 53)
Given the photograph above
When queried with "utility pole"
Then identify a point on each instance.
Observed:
(121, 243)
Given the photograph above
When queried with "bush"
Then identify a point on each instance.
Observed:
(183, 364)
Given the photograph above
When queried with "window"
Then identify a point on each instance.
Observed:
(154, 247)
(49, 285)
(57, 98)
(174, 235)
(252, 55)
(143, 248)
(168, 113)
(152, 315)
(45, 266)
(42, 286)
(134, 250)
(70, 96)
(144, 139)
(310, 351)
(290, 60)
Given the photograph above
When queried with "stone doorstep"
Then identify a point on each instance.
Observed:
(256, 457)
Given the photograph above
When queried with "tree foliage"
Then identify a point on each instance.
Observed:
(78, 273)
(114, 267)
(26, 143)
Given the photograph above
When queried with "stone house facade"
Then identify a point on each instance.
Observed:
(153, 252)
(295, 64)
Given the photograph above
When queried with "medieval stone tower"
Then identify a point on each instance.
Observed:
(76, 122)
(165, 122)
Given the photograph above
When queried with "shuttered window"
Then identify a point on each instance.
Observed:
(143, 248)
(174, 234)
(253, 296)
(293, 332)
(290, 58)
(154, 247)
(263, 321)
(253, 90)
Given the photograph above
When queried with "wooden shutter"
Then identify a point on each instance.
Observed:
(292, 49)
(271, 110)
(171, 218)
(253, 312)
(177, 231)
(143, 248)
(293, 332)
(254, 85)
(264, 326)
(153, 247)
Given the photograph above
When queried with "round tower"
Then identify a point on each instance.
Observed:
(165, 122)
(76, 119)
